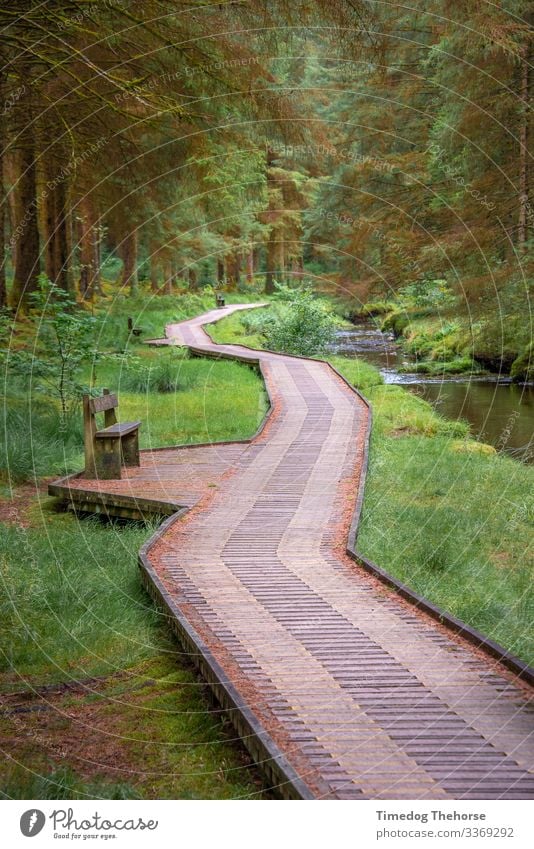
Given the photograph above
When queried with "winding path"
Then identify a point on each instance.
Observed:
(338, 687)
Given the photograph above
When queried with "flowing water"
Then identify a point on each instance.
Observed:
(498, 411)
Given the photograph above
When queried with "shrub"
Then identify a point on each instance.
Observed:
(302, 325)
(63, 344)
(395, 322)
(435, 368)
(155, 376)
(522, 368)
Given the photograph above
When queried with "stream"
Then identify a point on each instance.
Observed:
(499, 412)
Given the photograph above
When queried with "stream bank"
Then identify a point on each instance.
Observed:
(499, 412)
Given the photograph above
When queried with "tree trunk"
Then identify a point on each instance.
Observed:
(56, 230)
(524, 204)
(256, 257)
(3, 202)
(270, 272)
(89, 250)
(220, 272)
(233, 269)
(48, 219)
(3, 290)
(297, 267)
(153, 272)
(168, 278)
(193, 280)
(128, 254)
(270, 267)
(61, 236)
(25, 237)
(281, 263)
(250, 266)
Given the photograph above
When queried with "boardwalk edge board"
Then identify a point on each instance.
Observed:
(260, 745)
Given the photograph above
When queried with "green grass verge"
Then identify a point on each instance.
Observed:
(150, 313)
(72, 604)
(209, 401)
(72, 609)
(448, 516)
(233, 330)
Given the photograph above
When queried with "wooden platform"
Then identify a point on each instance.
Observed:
(339, 688)
(167, 480)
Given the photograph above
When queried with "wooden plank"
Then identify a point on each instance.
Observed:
(103, 403)
(117, 430)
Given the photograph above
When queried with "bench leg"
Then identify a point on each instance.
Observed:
(108, 459)
(130, 449)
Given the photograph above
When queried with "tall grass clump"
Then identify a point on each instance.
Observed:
(467, 547)
(71, 602)
(163, 373)
(37, 440)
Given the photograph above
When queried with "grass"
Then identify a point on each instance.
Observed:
(214, 400)
(202, 401)
(71, 605)
(442, 512)
(233, 330)
(449, 517)
(150, 313)
(137, 723)
(452, 522)
(33, 443)
(456, 526)
(73, 609)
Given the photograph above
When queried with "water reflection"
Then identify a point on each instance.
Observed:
(499, 412)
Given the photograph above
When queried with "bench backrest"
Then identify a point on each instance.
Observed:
(105, 402)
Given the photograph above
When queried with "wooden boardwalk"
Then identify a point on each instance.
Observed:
(339, 688)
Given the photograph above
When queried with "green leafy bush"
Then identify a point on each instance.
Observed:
(523, 366)
(301, 325)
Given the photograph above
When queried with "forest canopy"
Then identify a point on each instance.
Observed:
(367, 147)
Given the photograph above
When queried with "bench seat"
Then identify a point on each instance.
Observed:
(115, 431)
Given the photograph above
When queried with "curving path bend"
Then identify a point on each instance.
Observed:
(341, 689)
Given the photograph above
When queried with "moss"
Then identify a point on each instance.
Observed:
(395, 322)
(149, 733)
(459, 365)
(371, 309)
(522, 369)
(469, 446)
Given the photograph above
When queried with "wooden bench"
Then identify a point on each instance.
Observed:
(219, 300)
(114, 446)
